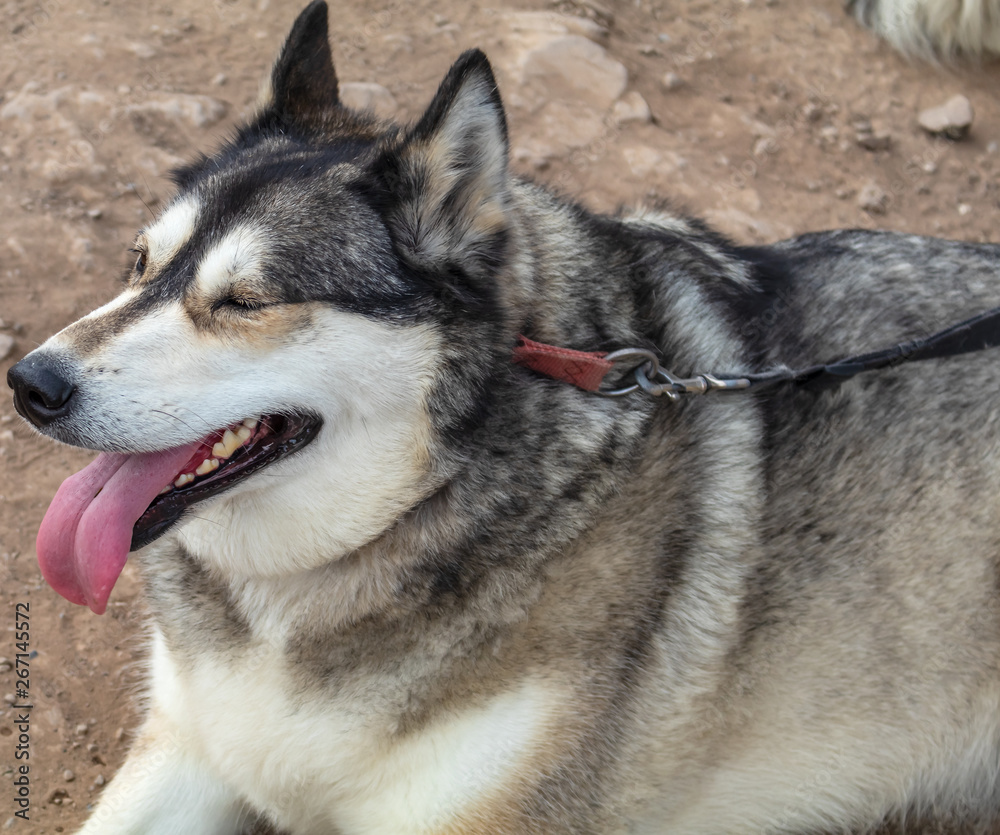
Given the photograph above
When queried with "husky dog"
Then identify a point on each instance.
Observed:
(402, 584)
(934, 28)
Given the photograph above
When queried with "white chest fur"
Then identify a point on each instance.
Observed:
(319, 761)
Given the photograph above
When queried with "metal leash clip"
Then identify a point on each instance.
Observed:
(657, 381)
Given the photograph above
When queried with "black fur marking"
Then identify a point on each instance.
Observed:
(303, 82)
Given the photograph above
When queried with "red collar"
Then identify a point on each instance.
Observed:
(583, 369)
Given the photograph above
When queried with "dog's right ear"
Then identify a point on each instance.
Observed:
(302, 87)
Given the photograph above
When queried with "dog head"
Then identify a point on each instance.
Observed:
(269, 383)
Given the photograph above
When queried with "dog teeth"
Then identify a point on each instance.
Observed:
(207, 466)
(221, 450)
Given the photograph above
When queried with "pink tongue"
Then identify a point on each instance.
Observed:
(84, 539)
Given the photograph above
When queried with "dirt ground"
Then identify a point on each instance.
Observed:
(756, 129)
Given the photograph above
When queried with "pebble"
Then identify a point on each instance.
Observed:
(220, 79)
(632, 107)
(672, 81)
(373, 97)
(198, 111)
(99, 780)
(872, 199)
(56, 796)
(141, 50)
(951, 119)
(871, 141)
(69, 776)
(82, 729)
(6, 345)
(812, 112)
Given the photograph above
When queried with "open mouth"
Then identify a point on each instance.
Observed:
(224, 458)
(123, 501)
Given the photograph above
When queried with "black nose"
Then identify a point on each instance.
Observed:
(40, 394)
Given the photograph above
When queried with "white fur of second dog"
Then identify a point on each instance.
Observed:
(934, 28)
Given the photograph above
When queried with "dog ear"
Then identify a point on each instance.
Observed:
(302, 86)
(447, 180)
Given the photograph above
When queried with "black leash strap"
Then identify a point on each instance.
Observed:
(975, 334)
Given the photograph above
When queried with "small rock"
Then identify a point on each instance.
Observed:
(872, 199)
(993, 147)
(929, 167)
(10, 698)
(56, 796)
(198, 111)
(5, 665)
(220, 79)
(672, 81)
(141, 50)
(812, 112)
(6, 345)
(373, 97)
(119, 734)
(95, 214)
(951, 119)
(631, 107)
(765, 147)
(82, 729)
(99, 780)
(964, 209)
(874, 141)
(69, 776)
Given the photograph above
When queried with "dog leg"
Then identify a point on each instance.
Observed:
(163, 789)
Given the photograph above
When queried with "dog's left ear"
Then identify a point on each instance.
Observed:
(447, 180)
(302, 87)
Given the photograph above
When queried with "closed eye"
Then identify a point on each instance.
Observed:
(239, 302)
